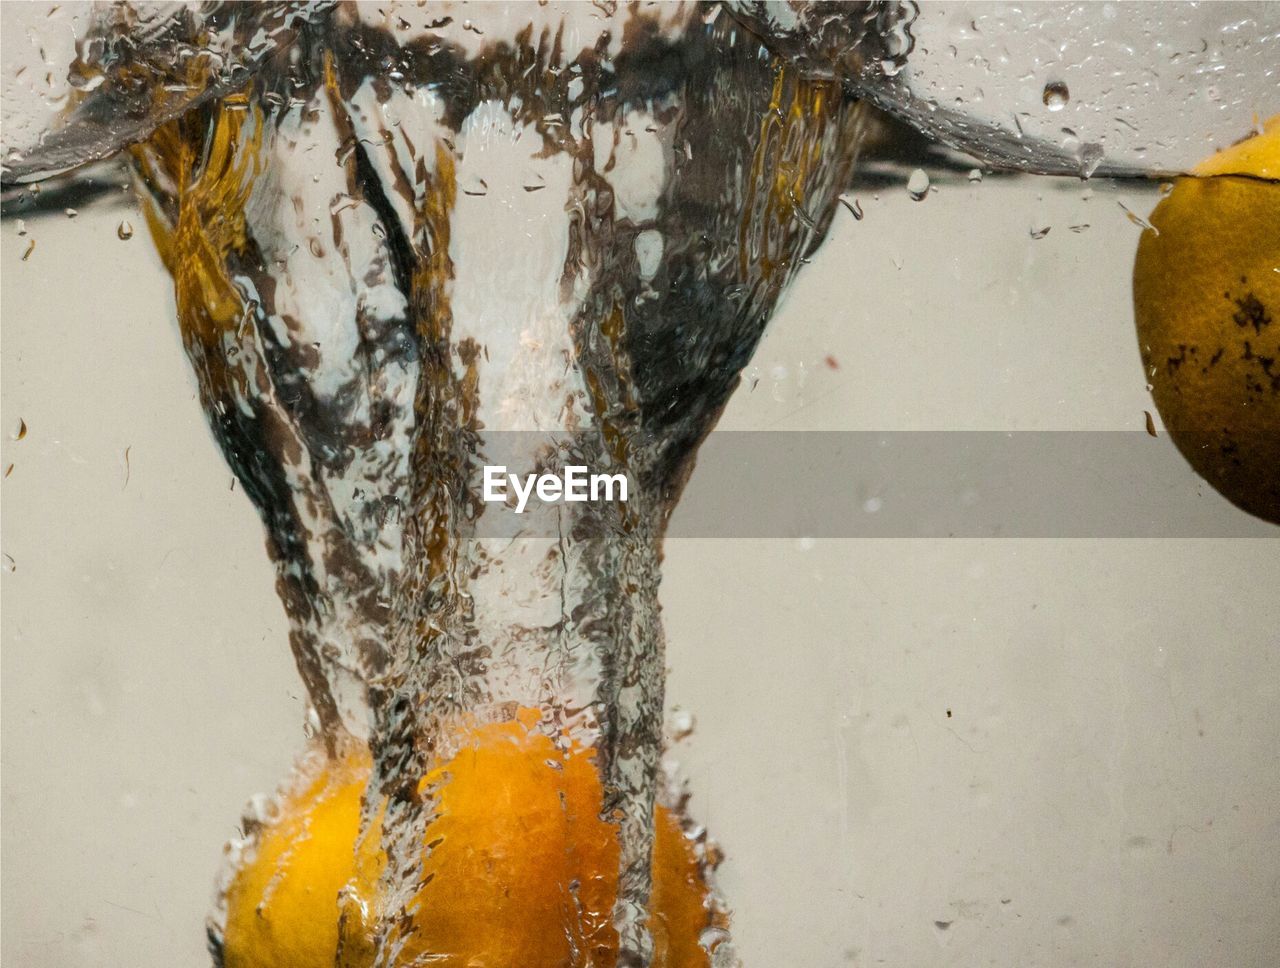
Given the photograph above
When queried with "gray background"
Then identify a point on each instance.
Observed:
(1103, 793)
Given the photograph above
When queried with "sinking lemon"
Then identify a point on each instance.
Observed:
(521, 869)
(1206, 295)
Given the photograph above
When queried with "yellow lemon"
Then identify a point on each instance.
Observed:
(518, 869)
(1206, 296)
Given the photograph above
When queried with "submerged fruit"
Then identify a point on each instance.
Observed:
(283, 900)
(521, 869)
(1206, 295)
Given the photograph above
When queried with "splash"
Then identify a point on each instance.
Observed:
(407, 243)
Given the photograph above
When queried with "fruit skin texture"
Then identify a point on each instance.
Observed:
(1206, 295)
(283, 900)
(522, 871)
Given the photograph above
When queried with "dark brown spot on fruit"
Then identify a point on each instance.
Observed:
(1251, 312)
(1173, 363)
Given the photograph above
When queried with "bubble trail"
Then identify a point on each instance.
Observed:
(405, 247)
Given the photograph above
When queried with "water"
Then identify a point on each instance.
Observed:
(361, 333)
(365, 340)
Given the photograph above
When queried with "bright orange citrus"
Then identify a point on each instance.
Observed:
(521, 869)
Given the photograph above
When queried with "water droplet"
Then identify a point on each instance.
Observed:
(124, 231)
(975, 174)
(1091, 155)
(71, 212)
(22, 227)
(872, 504)
(10, 565)
(918, 184)
(1056, 95)
(1040, 233)
(20, 431)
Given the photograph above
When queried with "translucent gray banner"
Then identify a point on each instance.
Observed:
(967, 484)
(921, 484)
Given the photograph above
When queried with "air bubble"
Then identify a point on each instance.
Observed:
(1056, 95)
(918, 184)
(683, 723)
(712, 938)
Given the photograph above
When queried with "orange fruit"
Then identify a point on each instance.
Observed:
(282, 904)
(1206, 297)
(520, 870)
